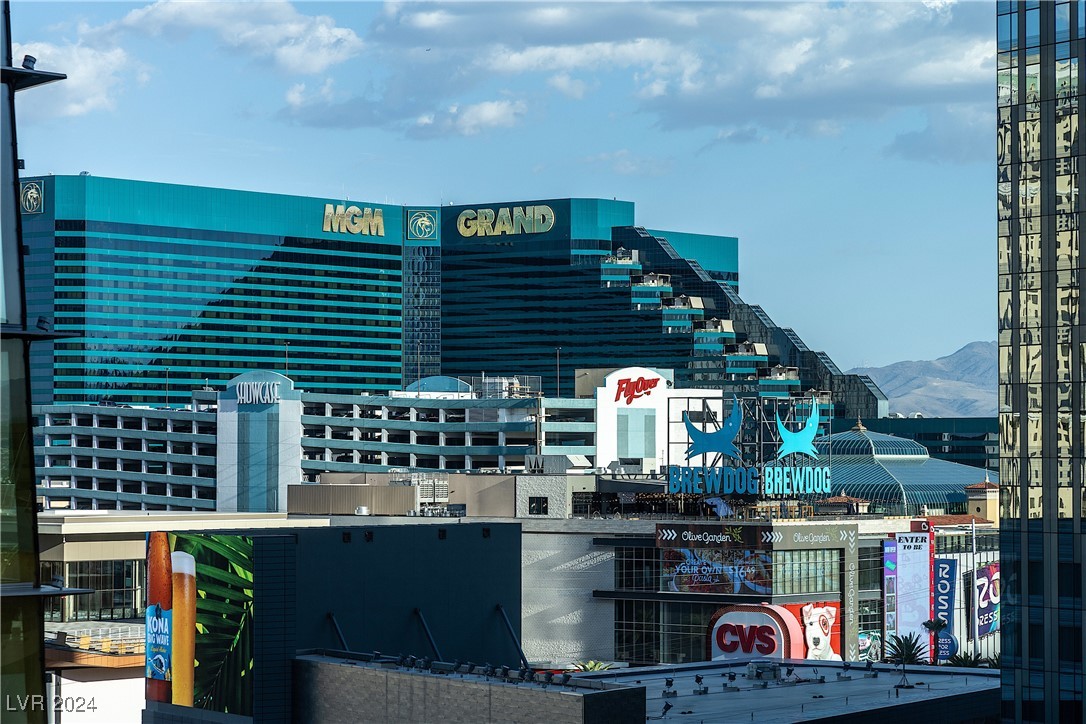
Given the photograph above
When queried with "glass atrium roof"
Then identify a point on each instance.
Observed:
(896, 475)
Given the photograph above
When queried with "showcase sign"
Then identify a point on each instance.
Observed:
(257, 393)
(776, 479)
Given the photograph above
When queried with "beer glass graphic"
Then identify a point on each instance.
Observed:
(184, 627)
(159, 618)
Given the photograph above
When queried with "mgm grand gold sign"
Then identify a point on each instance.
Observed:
(515, 220)
(353, 220)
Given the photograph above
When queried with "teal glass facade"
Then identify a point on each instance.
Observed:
(166, 288)
(1042, 358)
(161, 289)
(581, 287)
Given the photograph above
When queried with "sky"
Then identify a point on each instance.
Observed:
(849, 146)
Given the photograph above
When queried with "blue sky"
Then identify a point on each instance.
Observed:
(849, 146)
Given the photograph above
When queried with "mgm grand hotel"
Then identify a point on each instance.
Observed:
(392, 340)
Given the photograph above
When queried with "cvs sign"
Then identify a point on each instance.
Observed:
(747, 639)
(754, 631)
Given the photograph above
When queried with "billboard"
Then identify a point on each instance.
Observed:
(737, 559)
(986, 590)
(791, 631)
(717, 570)
(889, 586)
(915, 592)
(199, 621)
(946, 570)
(871, 646)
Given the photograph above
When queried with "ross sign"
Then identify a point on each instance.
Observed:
(505, 221)
(632, 389)
(257, 393)
(986, 594)
(353, 220)
(946, 570)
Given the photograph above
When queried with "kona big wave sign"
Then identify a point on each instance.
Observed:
(783, 478)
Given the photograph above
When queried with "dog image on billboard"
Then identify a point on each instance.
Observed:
(817, 626)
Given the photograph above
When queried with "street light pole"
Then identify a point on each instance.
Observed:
(974, 623)
(558, 371)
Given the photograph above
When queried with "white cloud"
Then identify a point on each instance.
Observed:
(626, 163)
(779, 68)
(488, 114)
(274, 30)
(296, 95)
(430, 20)
(95, 78)
(568, 86)
(659, 54)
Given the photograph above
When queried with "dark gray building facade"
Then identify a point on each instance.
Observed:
(1042, 353)
(439, 591)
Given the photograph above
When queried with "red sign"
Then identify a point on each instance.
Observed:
(791, 631)
(632, 389)
(748, 639)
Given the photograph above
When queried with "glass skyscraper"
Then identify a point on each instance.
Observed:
(163, 288)
(159, 289)
(550, 287)
(1042, 354)
(22, 662)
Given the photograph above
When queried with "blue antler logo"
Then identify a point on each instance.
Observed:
(722, 441)
(801, 442)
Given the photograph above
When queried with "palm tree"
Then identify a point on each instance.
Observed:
(906, 649)
(993, 661)
(591, 666)
(936, 627)
(966, 659)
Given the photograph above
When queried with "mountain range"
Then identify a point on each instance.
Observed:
(963, 384)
